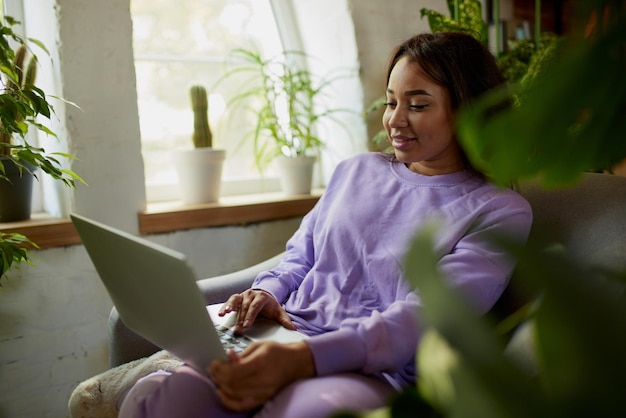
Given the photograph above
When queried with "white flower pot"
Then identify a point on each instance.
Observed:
(296, 174)
(199, 174)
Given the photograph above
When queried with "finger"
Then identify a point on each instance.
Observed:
(232, 356)
(232, 304)
(238, 371)
(252, 303)
(249, 392)
(215, 369)
(285, 321)
(238, 404)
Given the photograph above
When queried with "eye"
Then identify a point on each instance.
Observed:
(390, 105)
(419, 107)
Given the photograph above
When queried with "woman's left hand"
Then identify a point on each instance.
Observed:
(250, 379)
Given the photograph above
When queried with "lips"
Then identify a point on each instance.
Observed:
(401, 142)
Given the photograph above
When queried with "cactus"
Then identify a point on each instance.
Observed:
(15, 86)
(202, 136)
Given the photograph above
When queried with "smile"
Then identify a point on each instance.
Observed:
(401, 143)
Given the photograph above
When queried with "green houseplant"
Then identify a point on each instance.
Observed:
(465, 16)
(13, 249)
(283, 97)
(22, 104)
(200, 168)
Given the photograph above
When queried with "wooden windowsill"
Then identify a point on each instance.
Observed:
(49, 232)
(231, 210)
(45, 230)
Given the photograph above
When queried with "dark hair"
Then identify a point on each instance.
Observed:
(456, 61)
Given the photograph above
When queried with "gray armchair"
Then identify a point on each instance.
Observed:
(589, 219)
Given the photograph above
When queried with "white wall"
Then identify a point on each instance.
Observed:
(379, 26)
(53, 316)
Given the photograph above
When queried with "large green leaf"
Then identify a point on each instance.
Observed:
(580, 323)
(461, 362)
(570, 117)
(470, 19)
(13, 250)
(581, 333)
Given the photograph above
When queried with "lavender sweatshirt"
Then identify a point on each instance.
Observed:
(341, 278)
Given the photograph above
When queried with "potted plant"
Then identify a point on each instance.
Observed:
(283, 97)
(200, 169)
(21, 104)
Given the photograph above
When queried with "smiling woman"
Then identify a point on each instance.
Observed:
(419, 121)
(371, 208)
(424, 94)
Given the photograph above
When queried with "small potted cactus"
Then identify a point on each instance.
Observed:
(202, 136)
(200, 169)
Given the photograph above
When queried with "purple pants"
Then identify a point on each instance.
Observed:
(190, 394)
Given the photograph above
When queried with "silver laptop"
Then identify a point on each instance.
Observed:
(155, 292)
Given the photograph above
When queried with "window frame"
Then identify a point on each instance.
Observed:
(289, 36)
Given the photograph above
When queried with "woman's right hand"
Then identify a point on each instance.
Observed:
(252, 303)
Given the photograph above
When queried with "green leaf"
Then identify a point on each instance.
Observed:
(556, 132)
(13, 251)
(463, 370)
(290, 129)
(20, 109)
(470, 19)
(581, 333)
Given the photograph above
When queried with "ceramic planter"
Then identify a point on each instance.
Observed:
(16, 194)
(199, 174)
(296, 174)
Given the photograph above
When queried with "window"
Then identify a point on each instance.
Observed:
(181, 43)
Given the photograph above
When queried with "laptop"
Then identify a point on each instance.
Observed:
(155, 292)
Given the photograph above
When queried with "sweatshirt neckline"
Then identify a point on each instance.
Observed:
(449, 179)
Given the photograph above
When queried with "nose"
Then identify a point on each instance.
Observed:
(397, 119)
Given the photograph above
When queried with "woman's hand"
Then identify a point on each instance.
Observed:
(250, 379)
(252, 303)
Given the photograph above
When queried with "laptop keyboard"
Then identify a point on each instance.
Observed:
(230, 340)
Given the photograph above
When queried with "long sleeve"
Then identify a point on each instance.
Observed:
(295, 265)
(341, 280)
(471, 263)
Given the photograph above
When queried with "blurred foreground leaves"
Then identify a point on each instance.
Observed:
(579, 326)
(579, 321)
(570, 118)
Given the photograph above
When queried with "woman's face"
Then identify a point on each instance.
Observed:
(420, 122)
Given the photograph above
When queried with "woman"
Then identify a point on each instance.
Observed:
(340, 281)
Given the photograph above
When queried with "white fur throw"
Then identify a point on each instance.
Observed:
(97, 397)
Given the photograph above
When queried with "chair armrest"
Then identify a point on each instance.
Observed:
(125, 345)
(218, 289)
